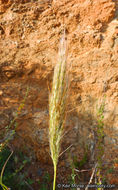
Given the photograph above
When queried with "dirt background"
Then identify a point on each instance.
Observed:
(30, 31)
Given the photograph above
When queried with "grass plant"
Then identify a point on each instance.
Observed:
(100, 141)
(9, 136)
(13, 167)
(57, 106)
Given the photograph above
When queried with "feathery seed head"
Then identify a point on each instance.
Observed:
(57, 102)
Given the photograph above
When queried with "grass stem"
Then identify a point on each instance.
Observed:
(55, 173)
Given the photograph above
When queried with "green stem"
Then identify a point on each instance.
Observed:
(55, 172)
(3, 186)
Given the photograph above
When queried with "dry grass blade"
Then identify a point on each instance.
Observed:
(91, 178)
(1, 176)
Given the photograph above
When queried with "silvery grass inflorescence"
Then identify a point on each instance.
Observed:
(57, 105)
